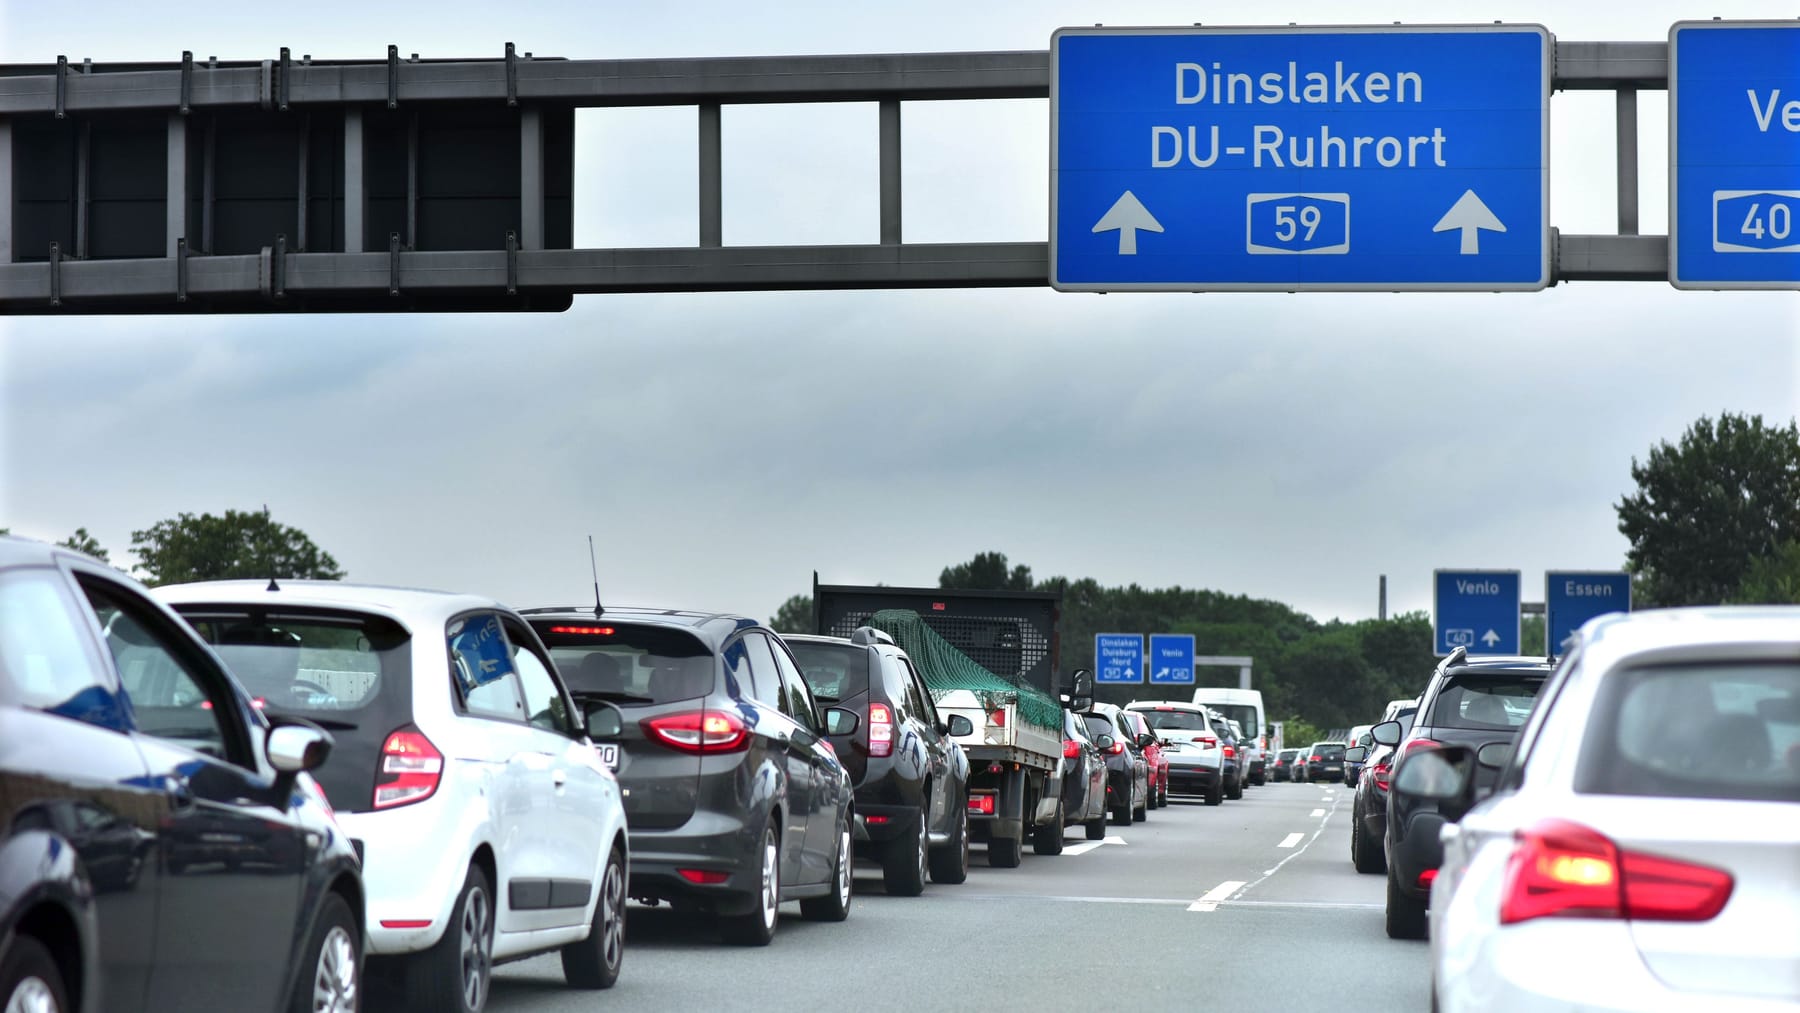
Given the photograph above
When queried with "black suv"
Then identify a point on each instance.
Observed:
(161, 847)
(734, 798)
(911, 777)
(1468, 702)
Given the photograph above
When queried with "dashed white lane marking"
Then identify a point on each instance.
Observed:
(1086, 846)
(1315, 814)
(1297, 853)
(1290, 840)
(1209, 901)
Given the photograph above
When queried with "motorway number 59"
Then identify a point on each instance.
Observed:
(1778, 222)
(1287, 227)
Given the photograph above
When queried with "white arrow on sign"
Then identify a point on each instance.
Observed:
(1161, 673)
(1470, 215)
(1490, 638)
(1128, 215)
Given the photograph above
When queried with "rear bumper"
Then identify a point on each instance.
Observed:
(878, 824)
(711, 841)
(1414, 850)
(1325, 772)
(1192, 780)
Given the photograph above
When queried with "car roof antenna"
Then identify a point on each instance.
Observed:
(599, 610)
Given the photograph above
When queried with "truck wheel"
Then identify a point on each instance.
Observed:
(950, 863)
(1048, 838)
(903, 862)
(1004, 852)
(1096, 828)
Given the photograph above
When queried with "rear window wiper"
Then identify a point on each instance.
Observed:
(619, 696)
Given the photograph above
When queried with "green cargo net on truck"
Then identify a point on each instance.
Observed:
(944, 669)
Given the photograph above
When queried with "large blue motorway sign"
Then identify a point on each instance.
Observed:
(1573, 597)
(1172, 658)
(1233, 159)
(1118, 657)
(1734, 154)
(1477, 610)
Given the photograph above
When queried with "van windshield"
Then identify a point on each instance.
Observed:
(1243, 714)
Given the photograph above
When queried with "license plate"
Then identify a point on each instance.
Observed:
(609, 754)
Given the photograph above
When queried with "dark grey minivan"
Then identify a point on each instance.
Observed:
(734, 798)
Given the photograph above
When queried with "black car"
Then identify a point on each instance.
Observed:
(1324, 761)
(161, 847)
(1368, 811)
(1083, 778)
(1467, 703)
(1283, 767)
(1127, 772)
(911, 778)
(734, 797)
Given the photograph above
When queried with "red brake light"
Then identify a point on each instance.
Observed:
(998, 717)
(410, 768)
(1427, 877)
(1559, 868)
(981, 805)
(877, 821)
(699, 732)
(1208, 741)
(1071, 749)
(1230, 752)
(584, 631)
(704, 877)
(405, 923)
(1381, 772)
(1315, 758)
(881, 730)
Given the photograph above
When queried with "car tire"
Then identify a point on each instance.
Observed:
(1215, 794)
(1162, 794)
(1096, 828)
(1048, 838)
(334, 952)
(1005, 852)
(595, 961)
(1365, 854)
(1142, 813)
(1405, 916)
(950, 863)
(835, 906)
(454, 975)
(757, 926)
(904, 859)
(1234, 790)
(30, 979)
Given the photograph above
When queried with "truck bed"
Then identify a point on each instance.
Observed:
(1016, 740)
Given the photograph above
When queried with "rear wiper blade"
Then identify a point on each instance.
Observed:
(610, 694)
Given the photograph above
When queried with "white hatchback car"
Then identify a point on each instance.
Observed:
(489, 826)
(1640, 849)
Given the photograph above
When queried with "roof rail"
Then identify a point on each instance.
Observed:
(869, 636)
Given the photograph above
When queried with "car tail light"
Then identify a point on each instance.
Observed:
(1116, 748)
(410, 769)
(1230, 752)
(1426, 878)
(1208, 741)
(1381, 772)
(584, 631)
(881, 730)
(699, 732)
(1071, 749)
(1315, 759)
(998, 717)
(1412, 744)
(1559, 868)
(704, 877)
(877, 821)
(406, 923)
(981, 805)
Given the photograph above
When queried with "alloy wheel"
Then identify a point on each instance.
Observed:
(924, 846)
(612, 915)
(477, 952)
(844, 867)
(33, 995)
(771, 881)
(334, 979)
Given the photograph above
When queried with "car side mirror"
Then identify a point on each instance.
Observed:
(1493, 755)
(1104, 742)
(1145, 740)
(1356, 754)
(1386, 733)
(843, 721)
(295, 747)
(1438, 774)
(1083, 684)
(1081, 704)
(961, 726)
(604, 720)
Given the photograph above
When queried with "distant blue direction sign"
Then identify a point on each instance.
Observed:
(1476, 609)
(1232, 159)
(1172, 658)
(1573, 597)
(1734, 154)
(1118, 657)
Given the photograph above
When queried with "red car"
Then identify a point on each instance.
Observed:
(1153, 756)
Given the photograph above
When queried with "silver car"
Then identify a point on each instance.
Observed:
(1641, 850)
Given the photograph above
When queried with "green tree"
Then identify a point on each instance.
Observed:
(794, 616)
(237, 545)
(81, 541)
(1773, 579)
(986, 572)
(1708, 507)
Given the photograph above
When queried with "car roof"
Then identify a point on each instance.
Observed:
(409, 606)
(1499, 666)
(1182, 705)
(714, 628)
(1670, 634)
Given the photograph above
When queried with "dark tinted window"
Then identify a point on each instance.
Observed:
(1480, 701)
(1696, 731)
(834, 671)
(799, 696)
(1098, 725)
(1328, 750)
(311, 665)
(630, 664)
(1177, 720)
(1243, 714)
(1287, 754)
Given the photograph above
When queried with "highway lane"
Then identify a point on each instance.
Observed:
(1253, 903)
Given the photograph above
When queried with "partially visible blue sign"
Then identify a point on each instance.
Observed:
(1573, 597)
(1172, 658)
(479, 651)
(1734, 154)
(1477, 610)
(1285, 159)
(1118, 657)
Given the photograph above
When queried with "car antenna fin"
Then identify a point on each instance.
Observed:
(599, 610)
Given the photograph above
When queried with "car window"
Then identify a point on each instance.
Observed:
(545, 706)
(765, 675)
(1174, 720)
(800, 701)
(47, 659)
(927, 706)
(1727, 731)
(630, 665)
(1328, 750)
(834, 671)
(1513, 774)
(1098, 725)
(318, 665)
(1497, 702)
(173, 695)
(481, 667)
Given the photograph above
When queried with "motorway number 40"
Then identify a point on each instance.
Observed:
(1780, 221)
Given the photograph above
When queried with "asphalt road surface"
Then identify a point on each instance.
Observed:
(1249, 906)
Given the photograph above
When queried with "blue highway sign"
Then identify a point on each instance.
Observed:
(1172, 658)
(1734, 154)
(1476, 609)
(1287, 159)
(1118, 657)
(1573, 597)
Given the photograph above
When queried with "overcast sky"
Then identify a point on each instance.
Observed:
(721, 447)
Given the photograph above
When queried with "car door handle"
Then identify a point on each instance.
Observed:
(559, 778)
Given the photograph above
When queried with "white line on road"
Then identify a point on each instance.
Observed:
(1209, 901)
(1315, 814)
(1086, 846)
(1290, 840)
(1297, 853)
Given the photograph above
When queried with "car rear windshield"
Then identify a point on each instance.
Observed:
(833, 671)
(1099, 724)
(1329, 750)
(1174, 720)
(1287, 754)
(629, 665)
(1727, 731)
(1485, 702)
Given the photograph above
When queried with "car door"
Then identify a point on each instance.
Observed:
(937, 750)
(824, 776)
(566, 829)
(230, 853)
(66, 753)
(786, 739)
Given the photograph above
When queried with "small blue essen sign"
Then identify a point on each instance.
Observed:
(1286, 159)
(1475, 609)
(1118, 657)
(1573, 597)
(1734, 154)
(1172, 658)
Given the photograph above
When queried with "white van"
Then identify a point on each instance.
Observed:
(1245, 706)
